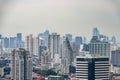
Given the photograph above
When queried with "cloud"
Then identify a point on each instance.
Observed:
(62, 16)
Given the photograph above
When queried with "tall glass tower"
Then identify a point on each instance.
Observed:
(96, 32)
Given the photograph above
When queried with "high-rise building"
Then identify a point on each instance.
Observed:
(45, 36)
(113, 40)
(41, 50)
(21, 65)
(1, 46)
(36, 41)
(69, 36)
(19, 40)
(75, 48)
(85, 47)
(19, 36)
(115, 58)
(100, 37)
(66, 54)
(54, 44)
(84, 40)
(0, 36)
(29, 44)
(45, 57)
(92, 68)
(78, 40)
(13, 42)
(96, 32)
(99, 48)
(103, 38)
(6, 42)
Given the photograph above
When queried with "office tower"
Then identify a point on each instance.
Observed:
(85, 47)
(37, 42)
(69, 36)
(44, 35)
(0, 36)
(78, 40)
(103, 38)
(36, 46)
(84, 40)
(19, 40)
(45, 57)
(29, 44)
(22, 44)
(1, 46)
(54, 44)
(42, 42)
(115, 60)
(96, 32)
(19, 36)
(115, 57)
(66, 54)
(13, 41)
(92, 68)
(21, 65)
(41, 50)
(113, 40)
(75, 49)
(99, 48)
(6, 42)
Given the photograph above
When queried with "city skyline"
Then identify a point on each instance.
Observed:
(76, 17)
(73, 37)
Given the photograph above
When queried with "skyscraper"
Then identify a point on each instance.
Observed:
(29, 44)
(19, 40)
(115, 60)
(41, 50)
(1, 46)
(92, 68)
(99, 48)
(21, 65)
(84, 40)
(45, 57)
(69, 36)
(96, 32)
(19, 36)
(6, 42)
(36, 45)
(44, 35)
(0, 36)
(13, 42)
(78, 40)
(113, 40)
(66, 54)
(103, 38)
(54, 44)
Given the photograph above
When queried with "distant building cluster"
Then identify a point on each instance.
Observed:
(66, 57)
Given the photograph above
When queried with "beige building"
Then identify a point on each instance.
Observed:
(21, 68)
(29, 44)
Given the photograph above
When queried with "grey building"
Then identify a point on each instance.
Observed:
(54, 44)
(66, 54)
(115, 58)
(99, 48)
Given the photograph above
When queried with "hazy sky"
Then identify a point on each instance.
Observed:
(77, 17)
